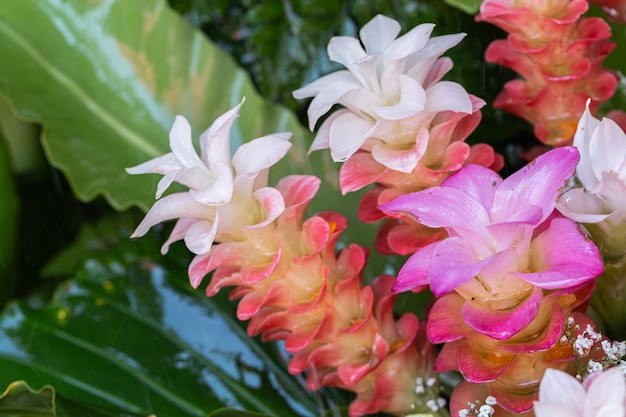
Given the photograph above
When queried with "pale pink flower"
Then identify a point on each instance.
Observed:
(601, 171)
(225, 194)
(390, 92)
(602, 394)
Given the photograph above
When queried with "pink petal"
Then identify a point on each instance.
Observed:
(478, 367)
(453, 263)
(359, 171)
(562, 257)
(447, 95)
(261, 153)
(379, 33)
(414, 272)
(347, 135)
(444, 323)
(439, 207)
(479, 182)
(502, 324)
(537, 184)
(400, 159)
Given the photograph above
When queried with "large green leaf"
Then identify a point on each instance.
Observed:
(130, 336)
(8, 223)
(19, 400)
(107, 77)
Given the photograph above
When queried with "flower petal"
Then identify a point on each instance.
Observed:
(261, 153)
(561, 257)
(479, 182)
(200, 235)
(273, 203)
(537, 184)
(447, 95)
(414, 272)
(582, 207)
(412, 100)
(379, 33)
(403, 160)
(347, 135)
(558, 387)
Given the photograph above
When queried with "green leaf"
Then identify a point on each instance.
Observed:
(130, 336)
(468, 6)
(8, 224)
(108, 95)
(19, 400)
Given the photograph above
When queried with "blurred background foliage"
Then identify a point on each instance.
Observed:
(50, 236)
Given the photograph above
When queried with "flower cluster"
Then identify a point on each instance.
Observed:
(401, 127)
(508, 274)
(290, 283)
(558, 54)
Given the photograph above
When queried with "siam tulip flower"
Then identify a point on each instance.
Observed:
(603, 394)
(224, 192)
(601, 171)
(390, 91)
(559, 56)
(497, 230)
(600, 204)
(291, 284)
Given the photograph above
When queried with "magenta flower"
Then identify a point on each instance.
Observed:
(494, 242)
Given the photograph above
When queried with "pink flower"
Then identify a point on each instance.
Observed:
(390, 92)
(602, 394)
(224, 193)
(494, 232)
(601, 171)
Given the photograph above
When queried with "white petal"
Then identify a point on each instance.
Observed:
(322, 139)
(318, 85)
(199, 237)
(180, 142)
(345, 50)
(261, 153)
(215, 141)
(582, 137)
(221, 191)
(347, 134)
(160, 165)
(554, 410)
(173, 206)
(439, 68)
(447, 95)
(410, 42)
(412, 100)
(418, 64)
(328, 97)
(178, 233)
(582, 207)
(607, 147)
(164, 183)
(378, 33)
(607, 388)
(558, 387)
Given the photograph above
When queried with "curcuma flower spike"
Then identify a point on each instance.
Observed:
(291, 284)
(559, 56)
(400, 127)
(507, 275)
(600, 204)
(390, 91)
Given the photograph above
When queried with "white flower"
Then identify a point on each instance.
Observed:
(603, 394)
(601, 171)
(225, 194)
(391, 91)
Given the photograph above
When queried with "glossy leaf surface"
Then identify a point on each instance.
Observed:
(128, 336)
(19, 400)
